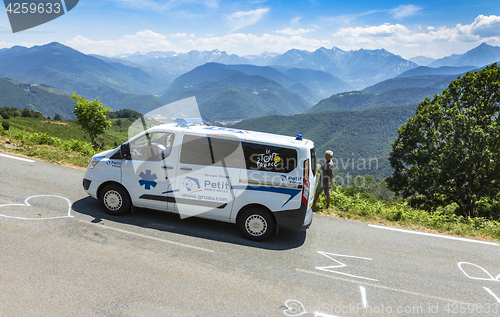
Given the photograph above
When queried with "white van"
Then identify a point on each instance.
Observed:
(262, 182)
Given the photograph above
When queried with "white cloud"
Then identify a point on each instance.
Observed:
(241, 19)
(404, 11)
(178, 35)
(142, 41)
(384, 30)
(483, 28)
(289, 31)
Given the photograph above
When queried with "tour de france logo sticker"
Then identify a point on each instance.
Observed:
(25, 15)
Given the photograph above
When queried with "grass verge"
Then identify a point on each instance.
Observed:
(398, 213)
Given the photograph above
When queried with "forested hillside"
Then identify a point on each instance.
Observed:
(235, 95)
(391, 92)
(47, 100)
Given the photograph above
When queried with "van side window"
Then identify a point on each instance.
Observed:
(152, 146)
(228, 153)
(196, 150)
(263, 157)
(200, 150)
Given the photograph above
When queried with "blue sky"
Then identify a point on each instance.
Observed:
(114, 27)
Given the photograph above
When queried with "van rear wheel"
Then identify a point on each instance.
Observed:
(115, 200)
(256, 224)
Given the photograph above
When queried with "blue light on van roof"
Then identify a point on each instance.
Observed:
(298, 137)
(189, 121)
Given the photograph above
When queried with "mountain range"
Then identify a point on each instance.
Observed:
(481, 55)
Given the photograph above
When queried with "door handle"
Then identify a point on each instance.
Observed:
(167, 167)
(186, 169)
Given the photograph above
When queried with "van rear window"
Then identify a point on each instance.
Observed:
(264, 157)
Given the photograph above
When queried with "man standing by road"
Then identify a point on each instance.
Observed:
(325, 179)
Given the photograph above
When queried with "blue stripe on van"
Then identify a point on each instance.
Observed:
(280, 190)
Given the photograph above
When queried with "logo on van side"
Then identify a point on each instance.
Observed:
(268, 160)
(147, 179)
(293, 180)
(191, 184)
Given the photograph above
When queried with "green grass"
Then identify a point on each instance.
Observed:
(69, 129)
(61, 142)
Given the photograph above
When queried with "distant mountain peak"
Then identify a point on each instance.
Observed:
(479, 56)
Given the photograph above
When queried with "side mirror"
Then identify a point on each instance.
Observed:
(125, 151)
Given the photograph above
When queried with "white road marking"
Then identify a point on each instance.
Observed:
(294, 308)
(490, 277)
(435, 235)
(492, 294)
(150, 237)
(27, 204)
(340, 265)
(382, 287)
(17, 158)
(363, 296)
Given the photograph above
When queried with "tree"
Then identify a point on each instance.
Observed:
(92, 115)
(57, 117)
(26, 113)
(449, 151)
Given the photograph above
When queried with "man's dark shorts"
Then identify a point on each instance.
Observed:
(323, 188)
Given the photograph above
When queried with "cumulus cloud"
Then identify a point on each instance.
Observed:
(404, 11)
(142, 41)
(178, 35)
(384, 30)
(483, 28)
(241, 19)
(289, 31)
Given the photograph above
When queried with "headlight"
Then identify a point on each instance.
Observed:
(94, 160)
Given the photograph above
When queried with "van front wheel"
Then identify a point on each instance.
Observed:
(256, 224)
(115, 200)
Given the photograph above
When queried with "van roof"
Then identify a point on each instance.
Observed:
(241, 134)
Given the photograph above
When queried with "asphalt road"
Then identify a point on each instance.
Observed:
(62, 256)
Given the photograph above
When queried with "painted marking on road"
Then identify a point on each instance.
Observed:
(363, 296)
(435, 235)
(492, 294)
(17, 158)
(27, 204)
(490, 277)
(382, 287)
(294, 308)
(151, 238)
(340, 265)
